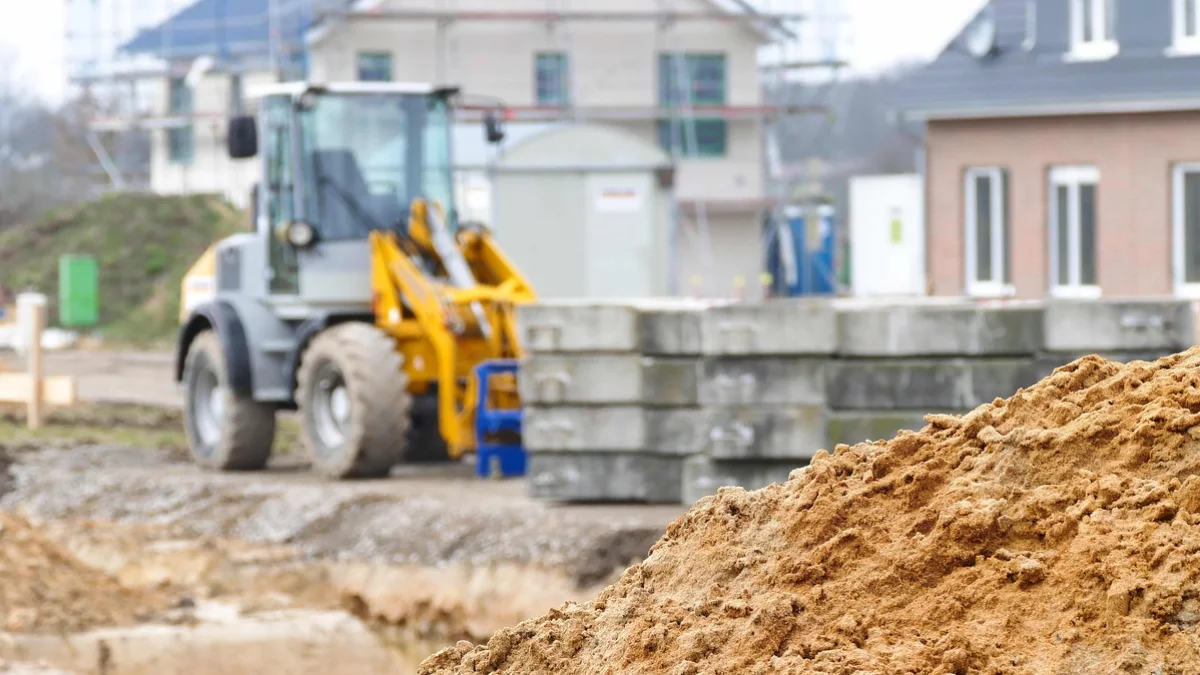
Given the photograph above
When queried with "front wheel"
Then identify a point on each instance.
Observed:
(354, 403)
(225, 431)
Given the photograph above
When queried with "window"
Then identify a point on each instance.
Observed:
(552, 79)
(181, 140)
(684, 81)
(987, 260)
(1187, 26)
(1073, 228)
(374, 67)
(1186, 230)
(1093, 29)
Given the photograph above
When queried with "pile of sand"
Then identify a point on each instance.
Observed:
(43, 589)
(1055, 532)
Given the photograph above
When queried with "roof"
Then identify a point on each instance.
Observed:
(241, 27)
(220, 28)
(1032, 74)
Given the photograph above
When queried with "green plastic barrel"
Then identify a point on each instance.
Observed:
(78, 291)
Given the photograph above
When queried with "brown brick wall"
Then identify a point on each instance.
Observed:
(1135, 155)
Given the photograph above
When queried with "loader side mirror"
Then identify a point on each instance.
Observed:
(243, 137)
(494, 127)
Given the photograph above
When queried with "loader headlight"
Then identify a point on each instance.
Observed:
(298, 233)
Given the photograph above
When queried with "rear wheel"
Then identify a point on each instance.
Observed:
(225, 431)
(354, 403)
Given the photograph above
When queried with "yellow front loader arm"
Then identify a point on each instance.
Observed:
(436, 326)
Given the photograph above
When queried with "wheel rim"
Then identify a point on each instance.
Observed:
(209, 407)
(331, 407)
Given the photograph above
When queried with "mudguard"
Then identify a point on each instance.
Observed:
(223, 318)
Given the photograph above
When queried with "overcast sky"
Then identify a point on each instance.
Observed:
(881, 32)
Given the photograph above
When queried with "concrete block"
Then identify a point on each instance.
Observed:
(589, 325)
(762, 381)
(703, 476)
(606, 477)
(854, 427)
(785, 327)
(924, 384)
(939, 329)
(678, 431)
(1119, 325)
(578, 327)
(764, 432)
(607, 379)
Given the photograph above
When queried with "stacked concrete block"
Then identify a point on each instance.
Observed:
(605, 421)
(1120, 330)
(898, 361)
(679, 393)
(761, 388)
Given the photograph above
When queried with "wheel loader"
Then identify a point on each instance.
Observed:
(358, 301)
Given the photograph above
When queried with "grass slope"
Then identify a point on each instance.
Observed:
(144, 244)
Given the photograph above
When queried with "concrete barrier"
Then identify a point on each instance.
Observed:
(654, 401)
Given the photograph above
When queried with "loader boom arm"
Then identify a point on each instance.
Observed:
(443, 326)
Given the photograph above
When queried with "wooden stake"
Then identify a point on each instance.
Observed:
(36, 366)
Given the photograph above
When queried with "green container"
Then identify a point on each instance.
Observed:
(78, 291)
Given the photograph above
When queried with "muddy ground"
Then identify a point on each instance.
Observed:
(427, 557)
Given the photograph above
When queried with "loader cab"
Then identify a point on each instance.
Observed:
(338, 162)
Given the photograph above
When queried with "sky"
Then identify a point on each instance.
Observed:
(879, 33)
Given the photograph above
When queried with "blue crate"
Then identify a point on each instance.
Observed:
(500, 461)
(496, 460)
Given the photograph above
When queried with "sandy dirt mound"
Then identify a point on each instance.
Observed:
(46, 590)
(1055, 532)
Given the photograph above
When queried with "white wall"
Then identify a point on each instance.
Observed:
(887, 235)
(211, 169)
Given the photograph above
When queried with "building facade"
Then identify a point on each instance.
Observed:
(1059, 158)
(691, 88)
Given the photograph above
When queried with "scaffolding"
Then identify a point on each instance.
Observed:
(187, 39)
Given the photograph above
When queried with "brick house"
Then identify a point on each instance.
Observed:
(1062, 154)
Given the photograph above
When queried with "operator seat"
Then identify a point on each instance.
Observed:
(344, 183)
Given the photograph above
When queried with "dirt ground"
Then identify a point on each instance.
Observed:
(427, 557)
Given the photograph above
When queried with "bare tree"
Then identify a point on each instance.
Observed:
(44, 152)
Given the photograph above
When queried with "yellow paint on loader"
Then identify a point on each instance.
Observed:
(199, 284)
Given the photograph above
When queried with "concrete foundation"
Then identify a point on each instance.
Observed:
(942, 384)
(605, 477)
(762, 381)
(703, 476)
(939, 329)
(602, 379)
(1126, 325)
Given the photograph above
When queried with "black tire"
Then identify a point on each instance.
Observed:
(368, 438)
(425, 442)
(234, 437)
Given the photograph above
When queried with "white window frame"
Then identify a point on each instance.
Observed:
(1072, 177)
(1183, 289)
(1092, 50)
(997, 286)
(1183, 44)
